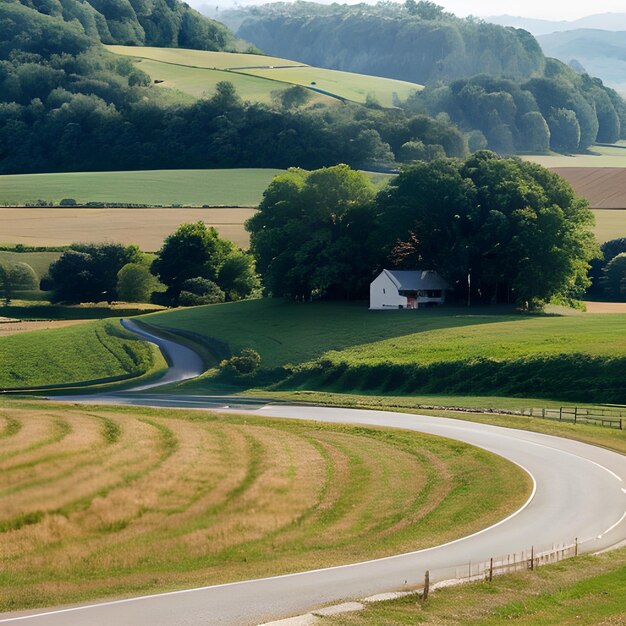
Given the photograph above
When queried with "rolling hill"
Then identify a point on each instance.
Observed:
(601, 52)
(255, 77)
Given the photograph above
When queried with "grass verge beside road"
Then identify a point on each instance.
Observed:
(110, 501)
(95, 351)
(585, 590)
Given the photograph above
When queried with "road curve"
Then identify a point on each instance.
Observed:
(183, 362)
(580, 492)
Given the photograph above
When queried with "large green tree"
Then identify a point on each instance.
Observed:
(513, 230)
(197, 251)
(88, 272)
(313, 233)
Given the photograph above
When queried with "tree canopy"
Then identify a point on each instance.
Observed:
(89, 272)
(196, 251)
(312, 233)
(513, 231)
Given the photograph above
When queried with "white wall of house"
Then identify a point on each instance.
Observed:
(384, 294)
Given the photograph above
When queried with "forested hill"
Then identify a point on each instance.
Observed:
(416, 42)
(165, 23)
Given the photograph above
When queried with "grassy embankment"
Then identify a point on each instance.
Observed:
(196, 72)
(586, 590)
(452, 352)
(95, 352)
(116, 501)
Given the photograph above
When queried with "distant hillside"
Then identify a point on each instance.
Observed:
(387, 40)
(604, 21)
(601, 52)
(166, 23)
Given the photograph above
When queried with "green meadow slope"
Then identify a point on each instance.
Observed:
(196, 72)
(95, 351)
(346, 347)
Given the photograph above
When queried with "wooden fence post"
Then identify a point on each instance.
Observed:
(576, 547)
(532, 558)
(575, 413)
(491, 569)
(426, 586)
(560, 413)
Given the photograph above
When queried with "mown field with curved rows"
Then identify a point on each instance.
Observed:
(114, 501)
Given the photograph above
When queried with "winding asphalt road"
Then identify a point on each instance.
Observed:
(579, 492)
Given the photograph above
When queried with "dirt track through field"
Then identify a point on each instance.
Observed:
(145, 227)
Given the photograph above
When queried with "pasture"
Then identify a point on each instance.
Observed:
(190, 188)
(95, 351)
(196, 72)
(477, 351)
(39, 261)
(353, 87)
(114, 501)
(193, 83)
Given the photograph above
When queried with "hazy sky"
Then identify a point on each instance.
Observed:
(546, 9)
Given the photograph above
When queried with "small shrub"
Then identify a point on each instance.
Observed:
(244, 363)
(197, 291)
(68, 202)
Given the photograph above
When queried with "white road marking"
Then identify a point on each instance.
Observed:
(608, 530)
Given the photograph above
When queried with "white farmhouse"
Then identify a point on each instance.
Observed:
(397, 289)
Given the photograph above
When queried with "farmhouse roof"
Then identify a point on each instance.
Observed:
(416, 280)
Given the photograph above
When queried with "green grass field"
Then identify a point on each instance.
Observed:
(345, 347)
(39, 261)
(230, 188)
(115, 501)
(94, 351)
(192, 83)
(586, 590)
(195, 73)
(354, 87)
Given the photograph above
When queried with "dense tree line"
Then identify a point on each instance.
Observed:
(563, 111)
(68, 105)
(507, 230)
(163, 23)
(194, 266)
(417, 42)
(608, 273)
(492, 82)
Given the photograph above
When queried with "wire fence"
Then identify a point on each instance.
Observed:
(505, 564)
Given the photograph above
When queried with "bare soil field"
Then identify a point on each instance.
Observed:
(101, 501)
(12, 327)
(145, 227)
(604, 187)
(606, 307)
